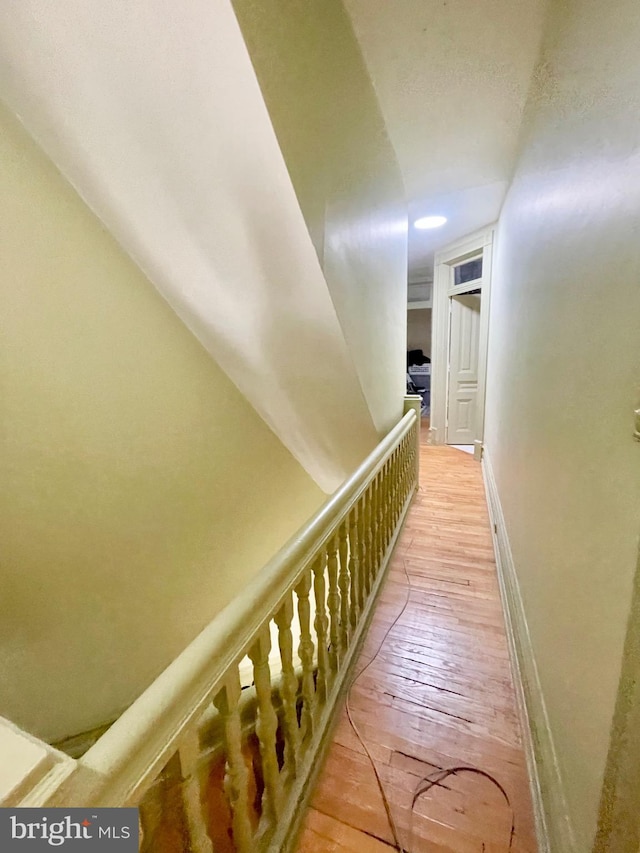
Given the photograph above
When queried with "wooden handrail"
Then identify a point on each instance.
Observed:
(195, 737)
(116, 770)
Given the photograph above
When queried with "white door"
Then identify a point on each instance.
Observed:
(464, 340)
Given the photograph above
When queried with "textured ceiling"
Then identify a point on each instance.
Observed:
(452, 77)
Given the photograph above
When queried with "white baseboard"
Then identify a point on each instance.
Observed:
(553, 825)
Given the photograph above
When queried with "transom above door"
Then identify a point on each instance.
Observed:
(460, 331)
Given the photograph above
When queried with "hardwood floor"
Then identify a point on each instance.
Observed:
(438, 695)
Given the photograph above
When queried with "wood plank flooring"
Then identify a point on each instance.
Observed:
(438, 695)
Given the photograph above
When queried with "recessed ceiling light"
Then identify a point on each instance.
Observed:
(429, 222)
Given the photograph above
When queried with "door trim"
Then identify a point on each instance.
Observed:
(481, 242)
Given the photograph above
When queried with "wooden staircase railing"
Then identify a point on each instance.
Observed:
(218, 768)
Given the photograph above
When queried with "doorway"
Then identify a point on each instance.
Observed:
(464, 350)
(462, 282)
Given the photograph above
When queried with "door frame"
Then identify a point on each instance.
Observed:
(474, 245)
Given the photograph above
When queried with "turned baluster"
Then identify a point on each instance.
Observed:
(378, 527)
(266, 727)
(344, 584)
(236, 779)
(411, 466)
(189, 755)
(333, 604)
(289, 689)
(369, 522)
(400, 499)
(354, 566)
(305, 653)
(362, 552)
(320, 624)
(374, 530)
(394, 492)
(406, 457)
(394, 485)
(379, 519)
(386, 503)
(406, 475)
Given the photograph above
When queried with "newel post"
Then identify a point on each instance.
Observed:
(414, 401)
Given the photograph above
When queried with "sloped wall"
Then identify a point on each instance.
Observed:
(140, 490)
(329, 126)
(154, 114)
(564, 365)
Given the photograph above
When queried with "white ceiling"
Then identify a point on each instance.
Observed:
(452, 77)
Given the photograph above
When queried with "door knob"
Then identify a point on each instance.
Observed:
(636, 432)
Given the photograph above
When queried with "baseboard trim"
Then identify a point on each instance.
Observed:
(553, 827)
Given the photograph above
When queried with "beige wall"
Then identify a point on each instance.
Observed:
(419, 329)
(564, 368)
(155, 115)
(343, 167)
(140, 490)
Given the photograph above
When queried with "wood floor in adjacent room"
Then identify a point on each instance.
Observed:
(438, 695)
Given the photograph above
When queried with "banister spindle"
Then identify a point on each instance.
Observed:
(405, 468)
(362, 552)
(394, 492)
(373, 528)
(289, 689)
(189, 754)
(415, 453)
(394, 487)
(379, 506)
(389, 509)
(320, 624)
(368, 527)
(354, 566)
(376, 516)
(305, 653)
(344, 583)
(333, 603)
(266, 727)
(385, 508)
(236, 779)
(408, 468)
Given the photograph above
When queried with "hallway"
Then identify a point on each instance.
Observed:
(438, 695)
